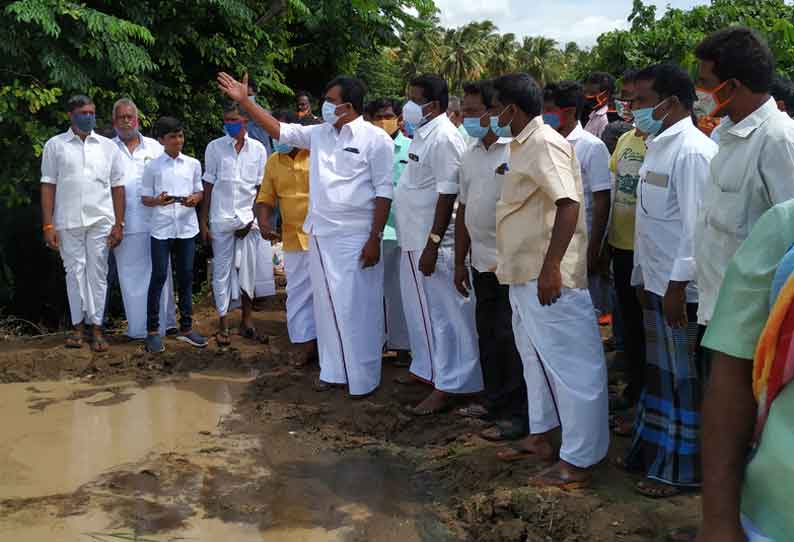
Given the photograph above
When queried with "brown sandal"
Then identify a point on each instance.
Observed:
(99, 344)
(74, 341)
(553, 478)
(656, 490)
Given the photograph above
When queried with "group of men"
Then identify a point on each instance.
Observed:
(484, 237)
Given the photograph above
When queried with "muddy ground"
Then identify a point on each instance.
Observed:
(457, 484)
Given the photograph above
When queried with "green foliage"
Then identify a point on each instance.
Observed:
(674, 36)
(165, 54)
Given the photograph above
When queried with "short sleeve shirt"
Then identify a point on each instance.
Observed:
(286, 182)
(181, 177)
(542, 170)
(84, 171)
(625, 165)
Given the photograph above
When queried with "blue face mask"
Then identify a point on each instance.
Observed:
(85, 122)
(409, 129)
(644, 121)
(552, 119)
(501, 131)
(281, 147)
(232, 129)
(473, 128)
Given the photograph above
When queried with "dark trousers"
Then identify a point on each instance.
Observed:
(633, 327)
(502, 369)
(183, 251)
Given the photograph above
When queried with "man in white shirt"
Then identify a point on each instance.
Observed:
(242, 261)
(562, 109)
(482, 174)
(172, 186)
(350, 182)
(598, 90)
(441, 322)
(85, 217)
(751, 173)
(133, 256)
(669, 198)
(753, 170)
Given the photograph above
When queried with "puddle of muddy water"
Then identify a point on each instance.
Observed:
(101, 464)
(63, 435)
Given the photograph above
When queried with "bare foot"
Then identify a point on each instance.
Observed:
(563, 475)
(532, 446)
(435, 403)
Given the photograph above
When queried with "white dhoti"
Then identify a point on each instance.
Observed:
(397, 337)
(441, 324)
(84, 252)
(134, 263)
(240, 266)
(348, 306)
(564, 369)
(300, 303)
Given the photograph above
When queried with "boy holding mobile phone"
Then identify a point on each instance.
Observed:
(172, 186)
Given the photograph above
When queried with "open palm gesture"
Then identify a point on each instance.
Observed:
(236, 90)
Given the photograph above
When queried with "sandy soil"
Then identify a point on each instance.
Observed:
(475, 496)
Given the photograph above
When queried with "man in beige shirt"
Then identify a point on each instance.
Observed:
(542, 254)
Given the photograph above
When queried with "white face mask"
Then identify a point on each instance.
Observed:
(412, 113)
(329, 113)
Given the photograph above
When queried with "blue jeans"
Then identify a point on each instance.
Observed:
(184, 250)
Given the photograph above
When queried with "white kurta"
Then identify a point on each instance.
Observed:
(300, 299)
(240, 266)
(397, 337)
(84, 252)
(134, 263)
(564, 369)
(442, 326)
(348, 304)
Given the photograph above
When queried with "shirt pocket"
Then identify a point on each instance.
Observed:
(227, 170)
(250, 172)
(654, 191)
(517, 188)
(727, 211)
(349, 164)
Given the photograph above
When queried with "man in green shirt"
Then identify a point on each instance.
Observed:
(385, 113)
(747, 501)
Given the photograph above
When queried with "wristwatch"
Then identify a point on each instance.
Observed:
(435, 238)
(119, 224)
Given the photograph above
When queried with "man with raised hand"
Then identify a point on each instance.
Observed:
(350, 182)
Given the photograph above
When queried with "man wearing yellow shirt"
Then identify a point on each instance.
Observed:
(286, 183)
(541, 241)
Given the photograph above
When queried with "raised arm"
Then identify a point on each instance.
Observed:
(238, 91)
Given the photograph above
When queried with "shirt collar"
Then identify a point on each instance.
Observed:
(179, 158)
(231, 141)
(426, 129)
(675, 129)
(141, 142)
(401, 141)
(576, 133)
(72, 135)
(498, 143)
(531, 126)
(748, 125)
(600, 112)
(354, 125)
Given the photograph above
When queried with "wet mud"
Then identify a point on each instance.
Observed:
(233, 444)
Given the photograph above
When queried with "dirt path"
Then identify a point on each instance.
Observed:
(284, 446)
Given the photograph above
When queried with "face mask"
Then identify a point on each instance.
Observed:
(283, 148)
(501, 131)
(552, 119)
(387, 125)
(412, 113)
(645, 122)
(409, 129)
(708, 104)
(329, 113)
(128, 133)
(623, 110)
(85, 122)
(473, 128)
(232, 129)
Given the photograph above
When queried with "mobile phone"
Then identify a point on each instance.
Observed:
(178, 199)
